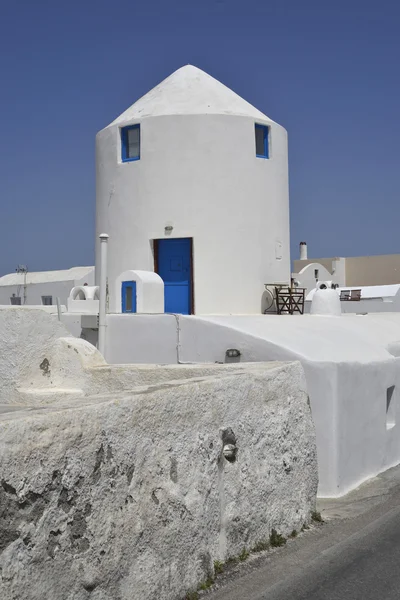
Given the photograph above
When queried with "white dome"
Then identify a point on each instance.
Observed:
(189, 91)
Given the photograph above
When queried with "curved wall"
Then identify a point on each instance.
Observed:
(200, 174)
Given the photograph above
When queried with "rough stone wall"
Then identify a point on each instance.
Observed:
(129, 497)
(24, 334)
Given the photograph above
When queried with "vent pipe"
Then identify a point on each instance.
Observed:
(303, 251)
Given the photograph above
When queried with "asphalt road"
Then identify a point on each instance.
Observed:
(355, 555)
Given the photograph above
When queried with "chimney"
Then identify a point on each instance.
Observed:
(303, 250)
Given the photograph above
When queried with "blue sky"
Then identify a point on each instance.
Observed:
(327, 71)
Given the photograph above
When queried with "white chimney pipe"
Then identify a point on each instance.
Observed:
(303, 251)
(103, 292)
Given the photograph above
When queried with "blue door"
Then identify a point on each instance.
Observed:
(175, 269)
(128, 296)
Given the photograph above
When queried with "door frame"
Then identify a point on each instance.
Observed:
(156, 255)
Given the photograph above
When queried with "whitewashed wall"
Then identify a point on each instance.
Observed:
(306, 277)
(141, 339)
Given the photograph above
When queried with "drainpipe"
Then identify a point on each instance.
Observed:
(103, 292)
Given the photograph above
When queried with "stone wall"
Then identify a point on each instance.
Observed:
(129, 495)
(24, 333)
(114, 483)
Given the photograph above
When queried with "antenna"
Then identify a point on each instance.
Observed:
(24, 270)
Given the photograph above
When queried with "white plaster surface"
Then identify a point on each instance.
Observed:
(149, 291)
(198, 172)
(90, 306)
(72, 322)
(326, 302)
(141, 339)
(189, 91)
(127, 489)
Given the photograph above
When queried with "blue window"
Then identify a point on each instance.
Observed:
(128, 296)
(130, 139)
(262, 141)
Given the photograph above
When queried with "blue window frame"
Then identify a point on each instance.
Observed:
(128, 296)
(262, 141)
(130, 143)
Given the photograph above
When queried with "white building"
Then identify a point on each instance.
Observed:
(192, 190)
(192, 183)
(43, 287)
(184, 190)
(370, 273)
(350, 277)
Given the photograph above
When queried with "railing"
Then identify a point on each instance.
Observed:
(350, 295)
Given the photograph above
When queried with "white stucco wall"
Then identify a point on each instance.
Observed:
(326, 302)
(141, 339)
(199, 173)
(90, 306)
(72, 322)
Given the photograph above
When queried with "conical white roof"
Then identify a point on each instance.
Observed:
(189, 91)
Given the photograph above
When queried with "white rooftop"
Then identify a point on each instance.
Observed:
(189, 91)
(350, 337)
(46, 276)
